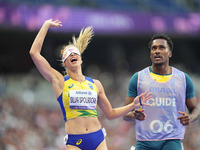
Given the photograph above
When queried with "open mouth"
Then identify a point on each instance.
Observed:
(73, 59)
(157, 57)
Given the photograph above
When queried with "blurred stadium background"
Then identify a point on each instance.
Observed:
(30, 117)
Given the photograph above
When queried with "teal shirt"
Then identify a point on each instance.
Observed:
(132, 89)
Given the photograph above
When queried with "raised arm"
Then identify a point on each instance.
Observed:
(50, 74)
(111, 113)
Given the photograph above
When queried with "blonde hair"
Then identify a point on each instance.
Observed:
(83, 40)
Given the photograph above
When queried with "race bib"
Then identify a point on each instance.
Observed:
(82, 99)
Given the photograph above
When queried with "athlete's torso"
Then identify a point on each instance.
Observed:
(78, 99)
(78, 103)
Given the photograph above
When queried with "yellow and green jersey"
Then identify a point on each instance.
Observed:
(78, 99)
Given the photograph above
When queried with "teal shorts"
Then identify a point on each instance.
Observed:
(174, 144)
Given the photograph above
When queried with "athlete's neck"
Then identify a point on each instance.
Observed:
(76, 76)
(161, 69)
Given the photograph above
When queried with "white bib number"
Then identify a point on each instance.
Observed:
(82, 99)
(167, 127)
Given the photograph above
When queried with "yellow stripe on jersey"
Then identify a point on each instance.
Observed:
(160, 78)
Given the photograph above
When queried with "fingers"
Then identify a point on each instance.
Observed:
(183, 113)
(58, 23)
(55, 23)
(145, 104)
(143, 100)
(184, 119)
(148, 96)
(141, 95)
(146, 92)
(185, 122)
(144, 97)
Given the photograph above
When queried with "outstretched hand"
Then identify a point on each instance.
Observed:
(52, 23)
(144, 97)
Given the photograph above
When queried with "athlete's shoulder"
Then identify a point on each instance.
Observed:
(189, 82)
(89, 79)
(187, 77)
(189, 87)
(148, 68)
(66, 77)
(179, 74)
(135, 76)
(177, 70)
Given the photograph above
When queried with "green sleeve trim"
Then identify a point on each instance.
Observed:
(189, 87)
(132, 89)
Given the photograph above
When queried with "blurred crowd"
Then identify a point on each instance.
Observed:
(24, 127)
(35, 123)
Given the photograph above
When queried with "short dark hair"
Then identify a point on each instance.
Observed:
(162, 36)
